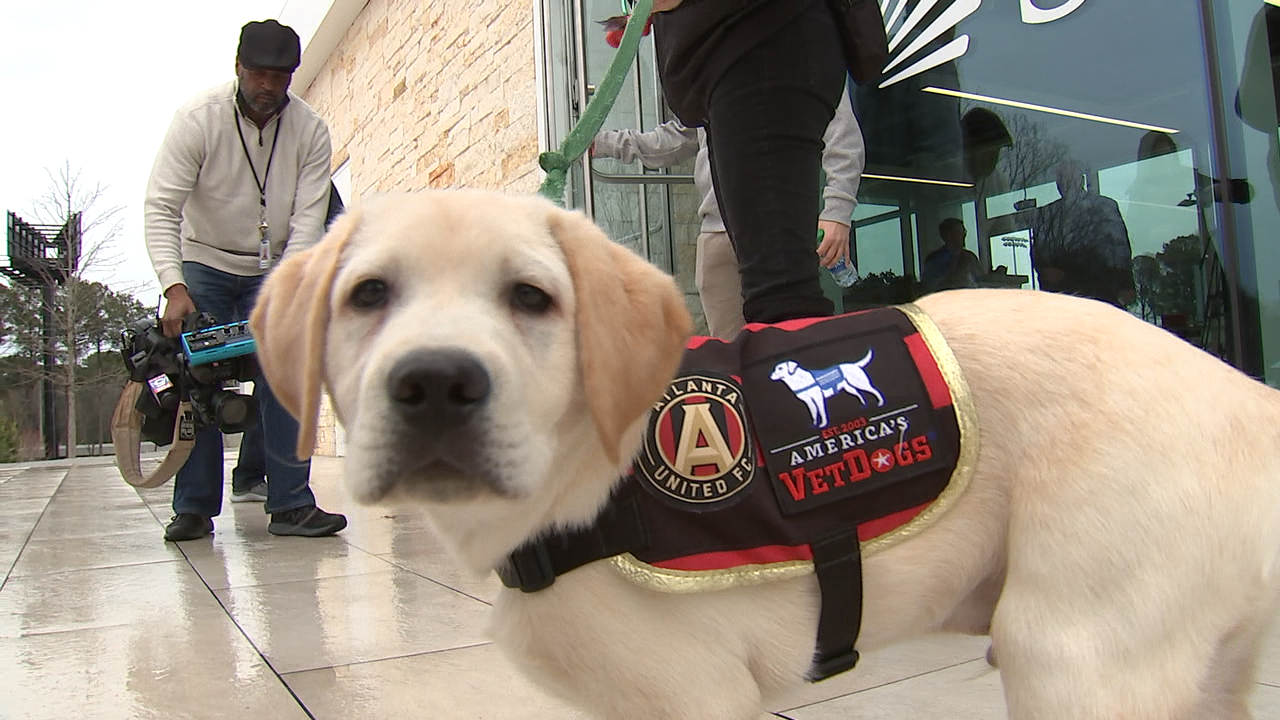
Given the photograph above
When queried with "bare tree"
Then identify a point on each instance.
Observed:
(76, 301)
(1032, 157)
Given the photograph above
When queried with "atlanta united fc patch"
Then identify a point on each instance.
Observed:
(698, 453)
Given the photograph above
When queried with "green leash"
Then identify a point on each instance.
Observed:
(556, 163)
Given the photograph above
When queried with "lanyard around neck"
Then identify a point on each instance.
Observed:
(262, 186)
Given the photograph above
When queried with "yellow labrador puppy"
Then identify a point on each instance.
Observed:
(495, 357)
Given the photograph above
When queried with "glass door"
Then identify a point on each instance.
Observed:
(653, 211)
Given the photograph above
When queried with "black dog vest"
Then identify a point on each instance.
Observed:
(796, 448)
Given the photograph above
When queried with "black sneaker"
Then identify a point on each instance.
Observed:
(309, 521)
(186, 526)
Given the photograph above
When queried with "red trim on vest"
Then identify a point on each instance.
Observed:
(762, 555)
(767, 554)
(698, 341)
(929, 372)
(875, 528)
(798, 323)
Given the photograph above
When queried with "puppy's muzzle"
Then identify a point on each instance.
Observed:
(440, 440)
(437, 391)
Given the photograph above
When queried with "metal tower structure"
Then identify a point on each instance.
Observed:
(45, 257)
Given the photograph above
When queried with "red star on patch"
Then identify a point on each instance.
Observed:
(882, 459)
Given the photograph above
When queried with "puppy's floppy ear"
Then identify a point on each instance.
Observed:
(289, 324)
(632, 326)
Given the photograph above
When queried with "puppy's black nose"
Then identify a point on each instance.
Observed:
(438, 389)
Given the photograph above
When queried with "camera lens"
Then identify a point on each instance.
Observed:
(232, 411)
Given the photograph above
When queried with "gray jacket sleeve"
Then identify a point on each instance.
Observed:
(843, 158)
(665, 145)
(311, 198)
(173, 177)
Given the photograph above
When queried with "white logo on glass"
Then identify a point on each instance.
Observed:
(1032, 14)
(908, 33)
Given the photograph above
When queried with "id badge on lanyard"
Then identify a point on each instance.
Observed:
(264, 242)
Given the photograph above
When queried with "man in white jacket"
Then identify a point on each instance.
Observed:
(716, 266)
(241, 179)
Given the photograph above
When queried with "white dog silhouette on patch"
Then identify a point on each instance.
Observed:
(813, 387)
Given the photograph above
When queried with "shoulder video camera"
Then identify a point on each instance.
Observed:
(198, 366)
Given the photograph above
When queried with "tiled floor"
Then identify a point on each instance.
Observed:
(100, 618)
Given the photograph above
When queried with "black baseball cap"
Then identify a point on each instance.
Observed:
(268, 45)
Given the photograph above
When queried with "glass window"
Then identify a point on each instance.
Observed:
(880, 247)
(1124, 150)
(650, 210)
(1060, 153)
(1244, 45)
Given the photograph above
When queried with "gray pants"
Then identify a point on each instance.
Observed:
(719, 284)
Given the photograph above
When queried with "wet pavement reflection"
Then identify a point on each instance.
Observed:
(99, 617)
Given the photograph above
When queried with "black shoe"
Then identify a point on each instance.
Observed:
(309, 521)
(186, 526)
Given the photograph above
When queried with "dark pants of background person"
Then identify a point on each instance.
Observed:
(251, 468)
(198, 486)
(766, 118)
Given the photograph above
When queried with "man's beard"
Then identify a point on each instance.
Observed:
(264, 103)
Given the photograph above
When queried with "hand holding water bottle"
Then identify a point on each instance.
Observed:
(833, 252)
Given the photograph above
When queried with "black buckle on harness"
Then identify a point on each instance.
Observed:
(825, 668)
(528, 568)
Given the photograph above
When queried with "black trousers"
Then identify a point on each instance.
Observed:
(766, 118)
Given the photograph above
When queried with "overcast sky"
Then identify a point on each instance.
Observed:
(95, 84)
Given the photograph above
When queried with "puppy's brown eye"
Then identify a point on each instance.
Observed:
(530, 299)
(369, 294)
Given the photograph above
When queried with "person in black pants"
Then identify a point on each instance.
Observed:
(764, 77)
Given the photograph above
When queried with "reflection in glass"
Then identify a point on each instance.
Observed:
(1175, 119)
(951, 266)
(1080, 243)
(1081, 163)
(1252, 49)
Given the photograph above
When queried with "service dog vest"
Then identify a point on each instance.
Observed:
(796, 448)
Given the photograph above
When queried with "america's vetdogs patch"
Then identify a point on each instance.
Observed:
(845, 413)
(698, 451)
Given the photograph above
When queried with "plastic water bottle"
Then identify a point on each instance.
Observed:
(844, 273)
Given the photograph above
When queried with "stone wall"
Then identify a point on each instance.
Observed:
(437, 94)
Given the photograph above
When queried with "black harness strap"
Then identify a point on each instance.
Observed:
(535, 565)
(838, 562)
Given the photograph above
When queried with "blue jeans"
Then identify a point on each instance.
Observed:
(198, 486)
(251, 468)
